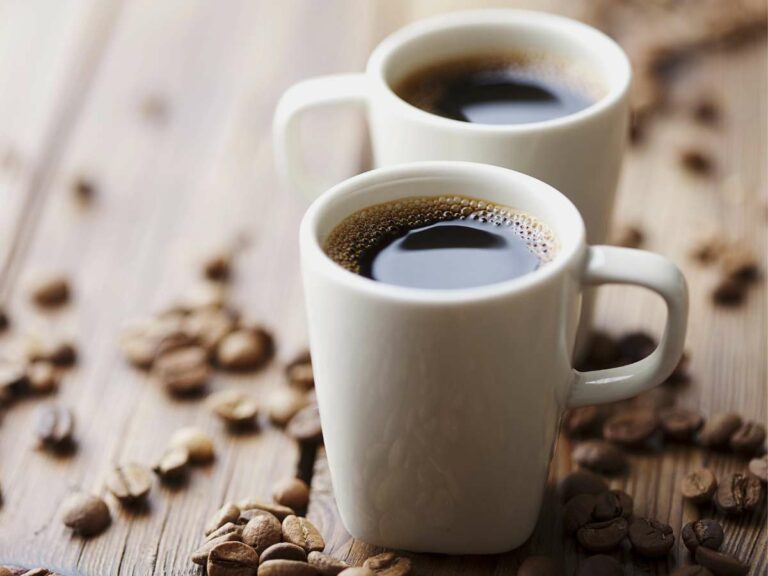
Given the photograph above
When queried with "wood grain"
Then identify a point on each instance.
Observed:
(169, 189)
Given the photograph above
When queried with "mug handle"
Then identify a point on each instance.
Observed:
(612, 265)
(315, 92)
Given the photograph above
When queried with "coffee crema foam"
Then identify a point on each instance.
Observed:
(370, 228)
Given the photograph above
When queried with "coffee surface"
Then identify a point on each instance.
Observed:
(497, 89)
(440, 243)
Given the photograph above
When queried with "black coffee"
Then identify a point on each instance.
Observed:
(440, 243)
(498, 89)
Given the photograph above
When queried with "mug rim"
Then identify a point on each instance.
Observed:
(568, 256)
(463, 18)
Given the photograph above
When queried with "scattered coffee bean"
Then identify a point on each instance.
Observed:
(758, 467)
(680, 425)
(580, 482)
(635, 346)
(228, 528)
(55, 427)
(50, 291)
(703, 532)
(244, 349)
(699, 486)
(200, 556)
(278, 511)
(43, 378)
(693, 570)
(325, 564)
(631, 236)
(630, 427)
(706, 111)
(235, 408)
(578, 512)
(198, 444)
(602, 536)
(709, 249)
(136, 343)
(581, 421)
(357, 571)
(173, 465)
(130, 483)
(227, 514)
(302, 532)
(740, 263)
(292, 492)
(719, 429)
(697, 162)
(13, 380)
(748, 438)
(183, 370)
(738, 493)
(209, 326)
(388, 564)
(58, 352)
(305, 425)
(538, 566)
(218, 267)
(283, 551)
(232, 559)
(262, 531)
(84, 190)
(5, 320)
(299, 372)
(284, 403)
(85, 514)
(613, 504)
(651, 538)
(600, 456)
(286, 568)
(680, 373)
(729, 292)
(719, 563)
(600, 565)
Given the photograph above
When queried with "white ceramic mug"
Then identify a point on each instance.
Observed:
(579, 154)
(440, 407)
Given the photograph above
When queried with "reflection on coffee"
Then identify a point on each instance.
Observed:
(513, 88)
(441, 243)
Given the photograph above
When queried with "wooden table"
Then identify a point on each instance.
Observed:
(167, 107)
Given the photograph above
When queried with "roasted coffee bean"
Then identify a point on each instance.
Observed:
(235, 408)
(538, 566)
(325, 564)
(600, 565)
(580, 482)
(299, 372)
(699, 486)
(680, 373)
(84, 190)
(692, 571)
(578, 512)
(602, 536)
(286, 568)
(703, 532)
(277, 510)
(284, 403)
(729, 292)
(56, 351)
(173, 465)
(292, 492)
(758, 467)
(719, 429)
(600, 456)
(262, 531)
(244, 349)
(85, 514)
(200, 556)
(719, 563)
(283, 551)
(49, 291)
(697, 162)
(630, 427)
(55, 427)
(13, 380)
(5, 320)
(738, 492)
(232, 559)
(228, 528)
(199, 444)
(42, 377)
(218, 267)
(581, 421)
(680, 424)
(357, 571)
(706, 111)
(651, 538)
(748, 438)
(635, 346)
(130, 483)
(613, 504)
(305, 425)
(183, 370)
(137, 343)
(740, 263)
(388, 564)
(209, 326)
(302, 532)
(630, 236)
(228, 513)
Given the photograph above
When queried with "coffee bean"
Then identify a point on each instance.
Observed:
(244, 349)
(581, 421)
(699, 486)
(173, 465)
(697, 162)
(56, 351)
(680, 425)
(759, 468)
(228, 513)
(635, 346)
(200, 556)
(613, 504)
(198, 444)
(388, 564)
(235, 408)
(5, 320)
(305, 425)
(729, 292)
(130, 483)
(284, 403)
(278, 511)
(299, 372)
(538, 566)
(600, 565)
(209, 326)
(325, 564)
(631, 427)
(692, 571)
(228, 528)
(55, 427)
(719, 429)
(578, 512)
(706, 111)
(292, 492)
(136, 343)
(49, 291)
(720, 563)
(286, 568)
(748, 438)
(42, 377)
(680, 373)
(738, 493)
(357, 571)
(630, 236)
(703, 532)
(13, 380)
(85, 514)
(183, 371)
(262, 531)
(38, 572)
(232, 559)
(302, 532)
(580, 482)
(740, 263)
(599, 456)
(283, 551)
(651, 538)
(218, 267)
(84, 190)
(602, 536)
